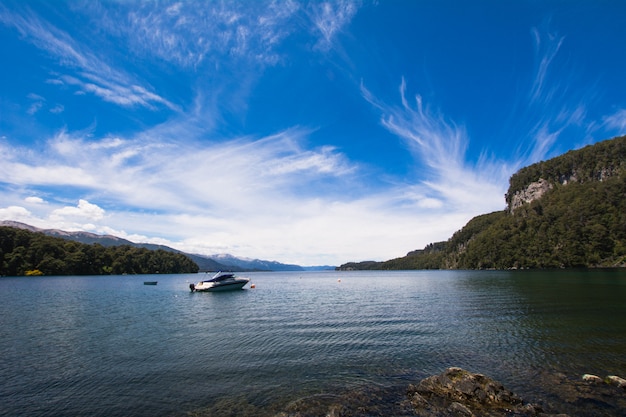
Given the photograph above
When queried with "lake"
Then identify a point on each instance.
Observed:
(111, 346)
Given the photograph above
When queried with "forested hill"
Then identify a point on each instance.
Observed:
(23, 252)
(567, 212)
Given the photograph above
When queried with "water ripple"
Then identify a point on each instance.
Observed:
(110, 346)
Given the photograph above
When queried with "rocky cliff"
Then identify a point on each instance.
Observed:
(534, 191)
(593, 163)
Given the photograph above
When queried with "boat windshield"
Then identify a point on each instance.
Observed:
(220, 277)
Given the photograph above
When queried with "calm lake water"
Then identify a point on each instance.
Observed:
(111, 346)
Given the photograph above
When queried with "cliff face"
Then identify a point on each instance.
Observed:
(534, 191)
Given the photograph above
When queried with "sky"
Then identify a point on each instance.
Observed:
(304, 132)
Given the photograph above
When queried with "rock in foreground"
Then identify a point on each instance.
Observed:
(457, 392)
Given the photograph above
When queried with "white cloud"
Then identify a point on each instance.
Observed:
(553, 109)
(452, 183)
(84, 210)
(189, 34)
(91, 74)
(37, 102)
(34, 107)
(616, 121)
(34, 200)
(15, 213)
(329, 18)
(547, 47)
(57, 109)
(52, 216)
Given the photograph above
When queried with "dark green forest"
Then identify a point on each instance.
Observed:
(579, 223)
(23, 252)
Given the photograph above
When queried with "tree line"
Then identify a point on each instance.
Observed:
(579, 223)
(23, 252)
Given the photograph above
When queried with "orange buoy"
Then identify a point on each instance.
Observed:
(252, 286)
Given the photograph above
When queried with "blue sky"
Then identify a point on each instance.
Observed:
(303, 132)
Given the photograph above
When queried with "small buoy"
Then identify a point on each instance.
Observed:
(339, 280)
(252, 286)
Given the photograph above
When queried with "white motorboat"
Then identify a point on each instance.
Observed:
(222, 281)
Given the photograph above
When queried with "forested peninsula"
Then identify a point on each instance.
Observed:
(23, 252)
(567, 212)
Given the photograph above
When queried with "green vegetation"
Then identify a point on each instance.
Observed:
(28, 253)
(592, 163)
(579, 222)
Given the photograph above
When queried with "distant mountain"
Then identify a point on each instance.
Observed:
(254, 264)
(82, 237)
(205, 263)
(567, 212)
(261, 265)
(319, 268)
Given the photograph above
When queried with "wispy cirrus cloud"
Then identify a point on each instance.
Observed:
(190, 34)
(152, 172)
(553, 108)
(547, 46)
(37, 102)
(547, 112)
(329, 18)
(451, 181)
(616, 122)
(90, 74)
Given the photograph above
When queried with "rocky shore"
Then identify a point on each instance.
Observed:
(459, 393)
(455, 393)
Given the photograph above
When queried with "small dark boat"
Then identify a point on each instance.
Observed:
(150, 282)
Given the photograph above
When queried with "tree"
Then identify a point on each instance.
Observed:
(23, 252)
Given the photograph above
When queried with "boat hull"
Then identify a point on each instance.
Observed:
(229, 286)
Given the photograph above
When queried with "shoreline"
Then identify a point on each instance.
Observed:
(454, 392)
